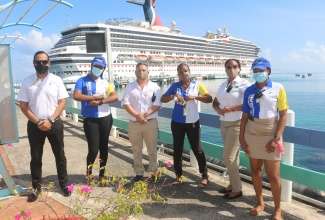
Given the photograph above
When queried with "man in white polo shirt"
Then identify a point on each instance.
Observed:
(141, 99)
(42, 99)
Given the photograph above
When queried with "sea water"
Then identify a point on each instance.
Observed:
(306, 97)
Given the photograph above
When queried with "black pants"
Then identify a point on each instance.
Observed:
(36, 138)
(193, 132)
(97, 133)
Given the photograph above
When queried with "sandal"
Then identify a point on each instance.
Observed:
(204, 182)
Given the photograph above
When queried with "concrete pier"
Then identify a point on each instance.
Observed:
(183, 201)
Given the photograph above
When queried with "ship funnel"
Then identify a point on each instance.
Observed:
(219, 32)
(225, 32)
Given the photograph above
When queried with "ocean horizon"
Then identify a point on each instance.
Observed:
(306, 97)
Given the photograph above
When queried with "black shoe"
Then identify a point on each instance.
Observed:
(137, 178)
(66, 192)
(227, 196)
(224, 191)
(34, 195)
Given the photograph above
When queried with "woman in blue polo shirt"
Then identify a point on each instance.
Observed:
(185, 119)
(261, 132)
(95, 94)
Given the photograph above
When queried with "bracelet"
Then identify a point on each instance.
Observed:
(232, 108)
(277, 138)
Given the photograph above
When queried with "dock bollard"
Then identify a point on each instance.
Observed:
(287, 157)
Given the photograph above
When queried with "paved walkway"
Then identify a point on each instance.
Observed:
(184, 201)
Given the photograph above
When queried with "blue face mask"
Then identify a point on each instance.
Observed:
(96, 71)
(260, 77)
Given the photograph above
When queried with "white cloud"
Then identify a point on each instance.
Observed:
(306, 59)
(23, 52)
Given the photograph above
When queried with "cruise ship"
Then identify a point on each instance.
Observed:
(128, 42)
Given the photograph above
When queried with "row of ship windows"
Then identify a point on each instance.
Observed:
(207, 50)
(165, 36)
(185, 44)
(192, 50)
(192, 42)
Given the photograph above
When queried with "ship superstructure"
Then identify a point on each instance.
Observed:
(162, 48)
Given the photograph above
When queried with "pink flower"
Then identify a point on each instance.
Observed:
(169, 164)
(10, 145)
(86, 189)
(18, 216)
(27, 214)
(70, 188)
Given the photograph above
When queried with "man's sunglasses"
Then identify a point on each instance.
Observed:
(41, 62)
(259, 94)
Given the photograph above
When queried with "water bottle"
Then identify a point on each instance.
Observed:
(280, 147)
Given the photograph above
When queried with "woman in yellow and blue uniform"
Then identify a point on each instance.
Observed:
(95, 95)
(263, 121)
(185, 119)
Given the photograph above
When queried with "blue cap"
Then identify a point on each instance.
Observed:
(99, 60)
(261, 63)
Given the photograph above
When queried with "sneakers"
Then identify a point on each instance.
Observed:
(137, 178)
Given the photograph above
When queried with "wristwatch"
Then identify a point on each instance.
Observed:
(277, 138)
(146, 114)
(51, 120)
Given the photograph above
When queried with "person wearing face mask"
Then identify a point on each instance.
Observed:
(228, 103)
(141, 100)
(185, 120)
(95, 94)
(42, 98)
(263, 121)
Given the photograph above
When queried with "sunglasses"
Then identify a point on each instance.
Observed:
(153, 97)
(234, 67)
(41, 62)
(229, 88)
(259, 94)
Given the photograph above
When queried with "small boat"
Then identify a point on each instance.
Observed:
(156, 58)
(297, 74)
(303, 76)
(201, 60)
(169, 59)
(309, 74)
(190, 59)
(140, 58)
(180, 59)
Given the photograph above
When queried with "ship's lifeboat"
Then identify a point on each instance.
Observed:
(218, 61)
(201, 60)
(190, 59)
(209, 60)
(181, 59)
(140, 58)
(169, 59)
(157, 58)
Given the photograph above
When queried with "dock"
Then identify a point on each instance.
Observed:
(183, 201)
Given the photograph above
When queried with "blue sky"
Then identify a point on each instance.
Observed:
(291, 33)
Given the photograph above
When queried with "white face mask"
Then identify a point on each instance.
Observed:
(96, 71)
(232, 73)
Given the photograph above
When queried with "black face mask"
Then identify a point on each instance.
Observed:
(41, 69)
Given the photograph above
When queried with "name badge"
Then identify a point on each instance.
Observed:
(185, 111)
